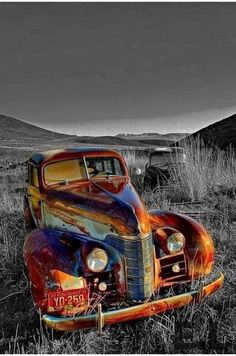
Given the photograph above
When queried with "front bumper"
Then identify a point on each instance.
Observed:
(134, 312)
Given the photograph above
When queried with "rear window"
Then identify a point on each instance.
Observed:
(161, 158)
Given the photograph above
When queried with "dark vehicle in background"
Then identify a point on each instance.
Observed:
(161, 162)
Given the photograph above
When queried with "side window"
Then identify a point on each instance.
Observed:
(107, 165)
(104, 165)
(118, 168)
(33, 176)
(99, 166)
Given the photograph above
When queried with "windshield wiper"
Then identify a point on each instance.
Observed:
(63, 181)
(97, 173)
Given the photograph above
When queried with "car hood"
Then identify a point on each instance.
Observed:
(114, 202)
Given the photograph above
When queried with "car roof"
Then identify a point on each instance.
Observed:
(166, 149)
(70, 153)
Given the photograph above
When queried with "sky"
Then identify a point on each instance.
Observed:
(109, 68)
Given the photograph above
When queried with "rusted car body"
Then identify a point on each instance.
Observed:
(161, 163)
(96, 255)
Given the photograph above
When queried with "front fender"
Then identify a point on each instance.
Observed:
(53, 260)
(199, 247)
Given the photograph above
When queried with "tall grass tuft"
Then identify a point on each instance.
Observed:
(135, 159)
(207, 172)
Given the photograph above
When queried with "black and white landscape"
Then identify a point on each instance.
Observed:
(133, 77)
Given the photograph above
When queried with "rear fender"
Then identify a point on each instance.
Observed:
(199, 247)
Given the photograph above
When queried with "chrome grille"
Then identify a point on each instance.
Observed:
(138, 256)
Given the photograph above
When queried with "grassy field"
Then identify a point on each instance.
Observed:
(208, 327)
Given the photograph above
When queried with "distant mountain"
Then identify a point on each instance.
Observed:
(107, 140)
(221, 134)
(134, 141)
(172, 136)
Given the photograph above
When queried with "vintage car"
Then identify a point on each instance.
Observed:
(96, 255)
(161, 162)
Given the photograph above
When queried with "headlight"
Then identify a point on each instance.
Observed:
(97, 260)
(175, 242)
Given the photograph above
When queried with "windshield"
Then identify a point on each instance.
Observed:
(66, 171)
(164, 158)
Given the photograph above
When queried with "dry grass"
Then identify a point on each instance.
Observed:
(208, 327)
(206, 173)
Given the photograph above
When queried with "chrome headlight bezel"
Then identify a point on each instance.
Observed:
(175, 242)
(97, 260)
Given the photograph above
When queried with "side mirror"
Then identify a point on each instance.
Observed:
(137, 171)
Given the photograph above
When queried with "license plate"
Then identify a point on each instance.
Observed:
(67, 299)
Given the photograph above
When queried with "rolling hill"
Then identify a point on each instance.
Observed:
(21, 139)
(13, 130)
(18, 134)
(18, 139)
(221, 134)
(15, 133)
